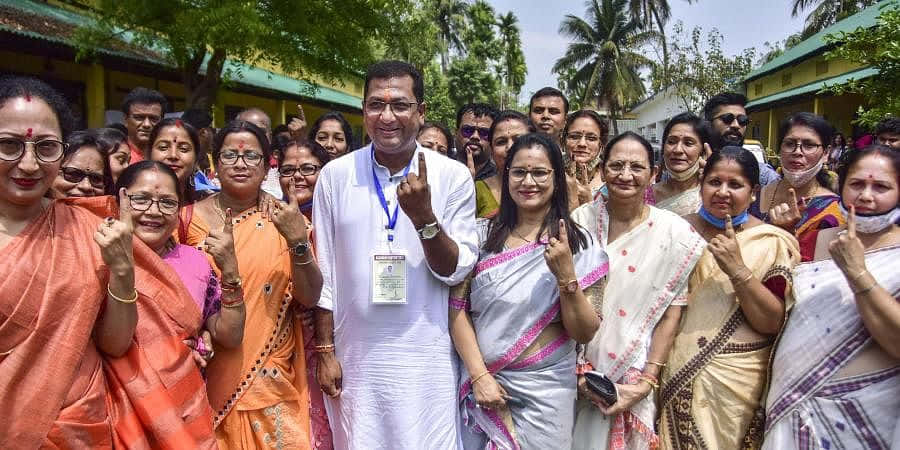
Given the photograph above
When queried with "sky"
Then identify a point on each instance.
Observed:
(743, 24)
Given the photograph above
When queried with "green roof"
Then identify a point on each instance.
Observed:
(816, 43)
(247, 75)
(815, 86)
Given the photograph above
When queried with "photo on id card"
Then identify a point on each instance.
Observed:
(389, 279)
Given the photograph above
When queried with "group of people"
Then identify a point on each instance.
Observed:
(174, 286)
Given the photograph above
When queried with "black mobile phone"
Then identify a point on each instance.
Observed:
(601, 385)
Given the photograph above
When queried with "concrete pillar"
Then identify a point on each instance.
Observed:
(771, 134)
(95, 96)
(817, 106)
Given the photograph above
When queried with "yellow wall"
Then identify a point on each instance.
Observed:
(837, 110)
(803, 72)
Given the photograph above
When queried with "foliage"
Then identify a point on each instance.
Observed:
(700, 71)
(198, 36)
(439, 107)
(416, 38)
(604, 55)
(771, 51)
(827, 12)
(513, 68)
(878, 47)
(470, 82)
(450, 18)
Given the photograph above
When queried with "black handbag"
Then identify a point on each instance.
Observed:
(602, 386)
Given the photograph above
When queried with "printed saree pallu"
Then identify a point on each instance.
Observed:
(513, 297)
(711, 389)
(258, 390)
(808, 406)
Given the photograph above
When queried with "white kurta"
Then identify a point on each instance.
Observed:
(399, 364)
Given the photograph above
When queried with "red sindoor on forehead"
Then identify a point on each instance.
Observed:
(27, 97)
(178, 123)
(241, 144)
(28, 133)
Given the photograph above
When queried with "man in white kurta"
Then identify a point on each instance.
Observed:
(398, 386)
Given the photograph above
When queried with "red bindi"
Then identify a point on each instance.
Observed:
(241, 145)
(28, 133)
(27, 97)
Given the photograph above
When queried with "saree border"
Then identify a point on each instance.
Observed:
(541, 354)
(506, 256)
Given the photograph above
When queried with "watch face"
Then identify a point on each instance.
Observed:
(572, 286)
(301, 249)
(429, 231)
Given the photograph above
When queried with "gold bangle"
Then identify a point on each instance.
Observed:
(652, 384)
(857, 276)
(656, 363)
(863, 291)
(120, 299)
(486, 372)
(742, 280)
(326, 348)
(311, 259)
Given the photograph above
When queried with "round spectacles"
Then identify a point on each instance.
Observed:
(231, 157)
(378, 107)
(166, 206)
(45, 150)
(304, 169)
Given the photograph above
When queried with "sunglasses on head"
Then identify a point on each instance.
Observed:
(468, 130)
(75, 175)
(728, 118)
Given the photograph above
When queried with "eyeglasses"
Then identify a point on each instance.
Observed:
(304, 169)
(166, 206)
(231, 157)
(728, 118)
(75, 175)
(468, 130)
(377, 107)
(46, 151)
(619, 167)
(575, 137)
(539, 175)
(807, 147)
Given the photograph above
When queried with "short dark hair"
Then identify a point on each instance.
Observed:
(854, 156)
(238, 126)
(111, 138)
(820, 126)
(589, 114)
(699, 126)
(507, 218)
(651, 155)
(14, 87)
(198, 118)
(549, 92)
(511, 114)
(745, 159)
(477, 110)
(396, 69)
(442, 129)
(130, 174)
(88, 138)
(144, 96)
(723, 99)
(888, 125)
(118, 126)
(314, 147)
(345, 126)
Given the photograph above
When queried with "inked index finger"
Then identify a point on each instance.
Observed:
(793, 199)
(423, 169)
(229, 221)
(729, 226)
(563, 233)
(851, 223)
(300, 112)
(125, 208)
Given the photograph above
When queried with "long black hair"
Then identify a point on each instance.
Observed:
(345, 126)
(507, 219)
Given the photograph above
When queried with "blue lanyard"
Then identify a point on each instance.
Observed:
(392, 218)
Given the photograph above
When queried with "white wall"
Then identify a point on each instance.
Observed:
(653, 113)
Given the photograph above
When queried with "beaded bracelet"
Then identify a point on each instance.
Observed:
(120, 299)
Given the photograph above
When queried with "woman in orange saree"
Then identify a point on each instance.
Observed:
(258, 390)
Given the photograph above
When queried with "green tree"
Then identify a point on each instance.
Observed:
(772, 51)
(605, 54)
(700, 68)
(469, 82)
(414, 39)
(826, 12)
(324, 40)
(450, 17)
(439, 107)
(513, 68)
(878, 47)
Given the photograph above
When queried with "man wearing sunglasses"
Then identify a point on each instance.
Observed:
(473, 137)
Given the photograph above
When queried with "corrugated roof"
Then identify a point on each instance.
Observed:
(814, 86)
(56, 24)
(816, 43)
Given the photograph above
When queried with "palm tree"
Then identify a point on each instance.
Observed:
(603, 55)
(827, 12)
(450, 17)
(513, 67)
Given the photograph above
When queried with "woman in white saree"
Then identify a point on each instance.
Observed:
(684, 151)
(836, 373)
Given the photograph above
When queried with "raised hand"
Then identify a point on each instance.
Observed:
(470, 163)
(558, 255)
(289, 221)
(116, 238)
(220, 245)
(414, 196)
(786, 215)
(488, 393)
(847, 250)
(297, 125)
(727, 252)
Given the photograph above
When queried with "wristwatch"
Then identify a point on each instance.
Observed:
(429, 231)
(300, 249)
(568, 286)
